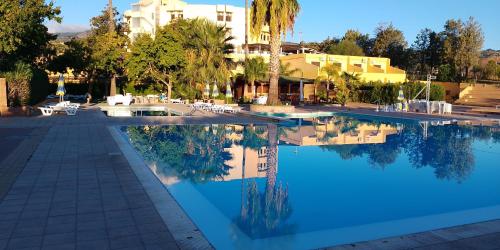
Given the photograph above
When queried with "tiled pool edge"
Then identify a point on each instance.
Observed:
(185, 233)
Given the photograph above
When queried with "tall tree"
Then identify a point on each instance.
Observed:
(160, 59)
(246, 31)
(362, 40)
(491, 69)
(390, 42)
(108, 56)
(111, 23)
(462, 45)
(23, 34)
(421, 47)
(346, 47)
(280, 15)
(108, 41)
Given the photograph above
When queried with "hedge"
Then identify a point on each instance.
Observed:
(387, 93)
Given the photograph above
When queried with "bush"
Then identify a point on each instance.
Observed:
(26, 85)
(410, 91)
(387, 93)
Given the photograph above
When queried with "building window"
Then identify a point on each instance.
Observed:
(220, 16)
(180, 16)
(358, 65)
(153, 16)
(172, 16)
(377, 66)
(136, 22)
(229, 16)
(316, 63)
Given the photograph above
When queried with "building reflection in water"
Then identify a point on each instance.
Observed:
(228, 153)
(310, 132)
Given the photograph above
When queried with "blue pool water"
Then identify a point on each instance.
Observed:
(324, 181)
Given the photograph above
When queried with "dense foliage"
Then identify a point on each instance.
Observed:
(24, 48)
(23, 34)
(28, 85)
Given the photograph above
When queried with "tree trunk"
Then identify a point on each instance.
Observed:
(90, 82)
(272, 157)
(112, 90)
(315, 93)
(328, 91)
(252, 85)
(274, 68)
(169, 94)
(246, 30)
(111, 16)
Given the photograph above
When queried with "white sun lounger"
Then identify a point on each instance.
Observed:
(46, 111)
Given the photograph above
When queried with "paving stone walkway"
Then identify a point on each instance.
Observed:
(78, 192)
(74, 189)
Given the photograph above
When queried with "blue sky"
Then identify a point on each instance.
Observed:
(322, 18)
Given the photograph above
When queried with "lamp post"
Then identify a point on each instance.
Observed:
(431, 76)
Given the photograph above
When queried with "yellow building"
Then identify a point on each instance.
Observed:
(331, 134)
(309, 68)
(368, 69)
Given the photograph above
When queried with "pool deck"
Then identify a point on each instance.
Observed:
(67, 184)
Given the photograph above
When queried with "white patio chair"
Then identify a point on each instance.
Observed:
(71, 111)
(177, 101)
(46, 111)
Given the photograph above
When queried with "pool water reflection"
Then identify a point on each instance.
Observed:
(324, 181)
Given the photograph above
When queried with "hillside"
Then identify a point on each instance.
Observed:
(489, 53)
(66, 36)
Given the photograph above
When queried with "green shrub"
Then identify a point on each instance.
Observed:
(437, 93)
(27, 85)
(412, 89)
(387, 93)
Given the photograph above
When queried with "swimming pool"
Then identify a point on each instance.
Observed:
(325, 181)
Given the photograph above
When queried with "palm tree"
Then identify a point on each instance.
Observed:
(255, 70)
(332, 72)
(213, 44)
(280, 15)
(112, 90)
(346, 84)
(246, 30)
(207, 47)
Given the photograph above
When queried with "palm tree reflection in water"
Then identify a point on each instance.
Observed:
(265, 214)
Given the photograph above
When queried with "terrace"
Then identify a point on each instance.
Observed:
(74, 182)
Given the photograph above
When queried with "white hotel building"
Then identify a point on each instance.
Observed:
(146, 15)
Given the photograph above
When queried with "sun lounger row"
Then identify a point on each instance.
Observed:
(439, 107)
(66, 106)
(123, 99)
(214, 108)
